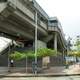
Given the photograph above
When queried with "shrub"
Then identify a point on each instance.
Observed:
(43, 52)
(17, 55)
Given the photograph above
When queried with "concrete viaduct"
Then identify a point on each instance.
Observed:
(17, 22)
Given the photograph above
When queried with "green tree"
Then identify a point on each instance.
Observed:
(76, 51)
(77, 44)
(31, 54)
(17, 55)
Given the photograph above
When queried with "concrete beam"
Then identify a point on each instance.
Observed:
(14, 30)
(25, 19)
(48, 38)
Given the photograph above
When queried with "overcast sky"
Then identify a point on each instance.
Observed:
(68, 12)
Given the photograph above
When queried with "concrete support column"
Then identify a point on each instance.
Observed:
(55, 41)
(63, 54)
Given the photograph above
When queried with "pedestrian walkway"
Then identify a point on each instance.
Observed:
(74, 69)
(53, 71)
(71, 70)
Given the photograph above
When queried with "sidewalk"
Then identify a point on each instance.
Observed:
(74, 69)
(53, 71)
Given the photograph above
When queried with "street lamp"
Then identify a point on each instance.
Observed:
(36, 43)
(34, 8)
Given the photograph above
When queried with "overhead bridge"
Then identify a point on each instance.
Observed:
(17, 19)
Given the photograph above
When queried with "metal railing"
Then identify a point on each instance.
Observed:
(58, 25)
(44, 25)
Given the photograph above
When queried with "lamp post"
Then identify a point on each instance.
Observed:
(8, 58)
(34, 8)
(36, 43)
(26, 64)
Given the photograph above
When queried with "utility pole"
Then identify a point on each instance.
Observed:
(8, 58)
(36, 43)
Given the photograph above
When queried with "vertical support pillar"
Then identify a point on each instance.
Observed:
(55, 41)
(8, 59)
(63, 56)
(36, 43)
(26, 64)
(62, 52)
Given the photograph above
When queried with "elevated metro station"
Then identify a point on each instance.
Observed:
(18, 20)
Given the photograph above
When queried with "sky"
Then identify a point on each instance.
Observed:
(68, 13)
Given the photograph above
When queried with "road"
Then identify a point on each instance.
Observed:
(42, 78)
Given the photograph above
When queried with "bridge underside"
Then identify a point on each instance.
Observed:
(19, 27)
(15, 26)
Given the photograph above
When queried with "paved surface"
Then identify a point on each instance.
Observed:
(43, 78)
(73, 69)
(54, 71)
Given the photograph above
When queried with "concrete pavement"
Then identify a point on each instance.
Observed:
(42, 78)
(53, 71)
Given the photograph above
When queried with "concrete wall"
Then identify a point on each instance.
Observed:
(4, 60)
(41, 44)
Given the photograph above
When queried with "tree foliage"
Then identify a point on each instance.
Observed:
(74, 53)
(77, 44)
(31, 54)
(17, 55)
